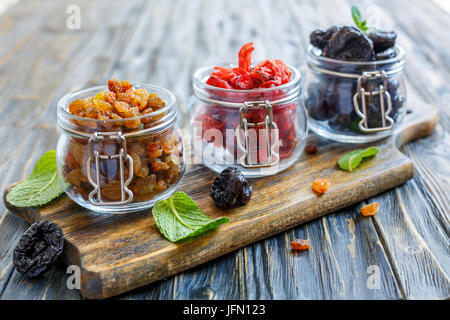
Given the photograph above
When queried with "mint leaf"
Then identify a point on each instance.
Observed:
(370, 152)
(179, 218)
(352, 160)
(42, 185)
(357, 18)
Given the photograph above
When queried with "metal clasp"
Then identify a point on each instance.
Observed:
(122, 156)
(387, 122)
(272, 155)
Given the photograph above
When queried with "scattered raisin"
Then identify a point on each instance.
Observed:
(311, 149)
(321, 185)
(300, 245)
(38, 249)
(230, 189)
(370, 209)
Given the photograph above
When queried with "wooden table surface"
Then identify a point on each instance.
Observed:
(406, 246)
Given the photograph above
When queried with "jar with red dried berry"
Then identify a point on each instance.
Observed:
(248, 116)
(120, 149)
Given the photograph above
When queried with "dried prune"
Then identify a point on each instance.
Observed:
(382, 40)
(311, 149)
(39, 248)
(230, 189)
(349, 44)
(319, 38)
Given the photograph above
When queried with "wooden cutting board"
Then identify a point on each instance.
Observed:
(117, 253)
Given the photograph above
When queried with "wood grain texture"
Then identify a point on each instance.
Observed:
(163, 42)
(120, 253)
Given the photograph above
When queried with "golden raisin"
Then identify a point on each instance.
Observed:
(114, 86)
(159, 166)
(161, 185)
(78, 105)
(310, 149)
(125, 85)
(127, 97)
(321, 185)
(153, 150)
(370, 209)
(167, 147)
(140, 98)
(102, 105)
(109, 97)
(155, 102)
(300, 245)
(121, 107)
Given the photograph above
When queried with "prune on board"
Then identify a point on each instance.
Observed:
(38, 249)
(349, 44)
(382, 40)
(230, 189)
(319, 38)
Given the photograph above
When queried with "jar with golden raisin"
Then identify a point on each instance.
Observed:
(120, 149)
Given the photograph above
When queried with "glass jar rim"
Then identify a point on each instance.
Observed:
(64, 101)
(400, 57)
(199, 79)
(67, 120)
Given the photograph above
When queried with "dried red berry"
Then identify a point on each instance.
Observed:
(114, 86)
(370, 209)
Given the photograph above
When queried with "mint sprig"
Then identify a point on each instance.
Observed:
(180, 218)
(352, 160)
(40, 187)
(357, 18)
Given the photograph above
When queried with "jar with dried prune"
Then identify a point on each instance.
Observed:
(119, 150)
(248, 116)
(355, 101)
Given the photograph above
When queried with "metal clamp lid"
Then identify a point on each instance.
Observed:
(122, 156)
(387, 122)
(268, 122)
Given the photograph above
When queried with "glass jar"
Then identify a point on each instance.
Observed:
(260, 131)
(354, 102)
(119, 166)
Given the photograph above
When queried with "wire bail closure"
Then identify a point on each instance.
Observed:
(268, 122)
(122, 156)
(387, 122)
